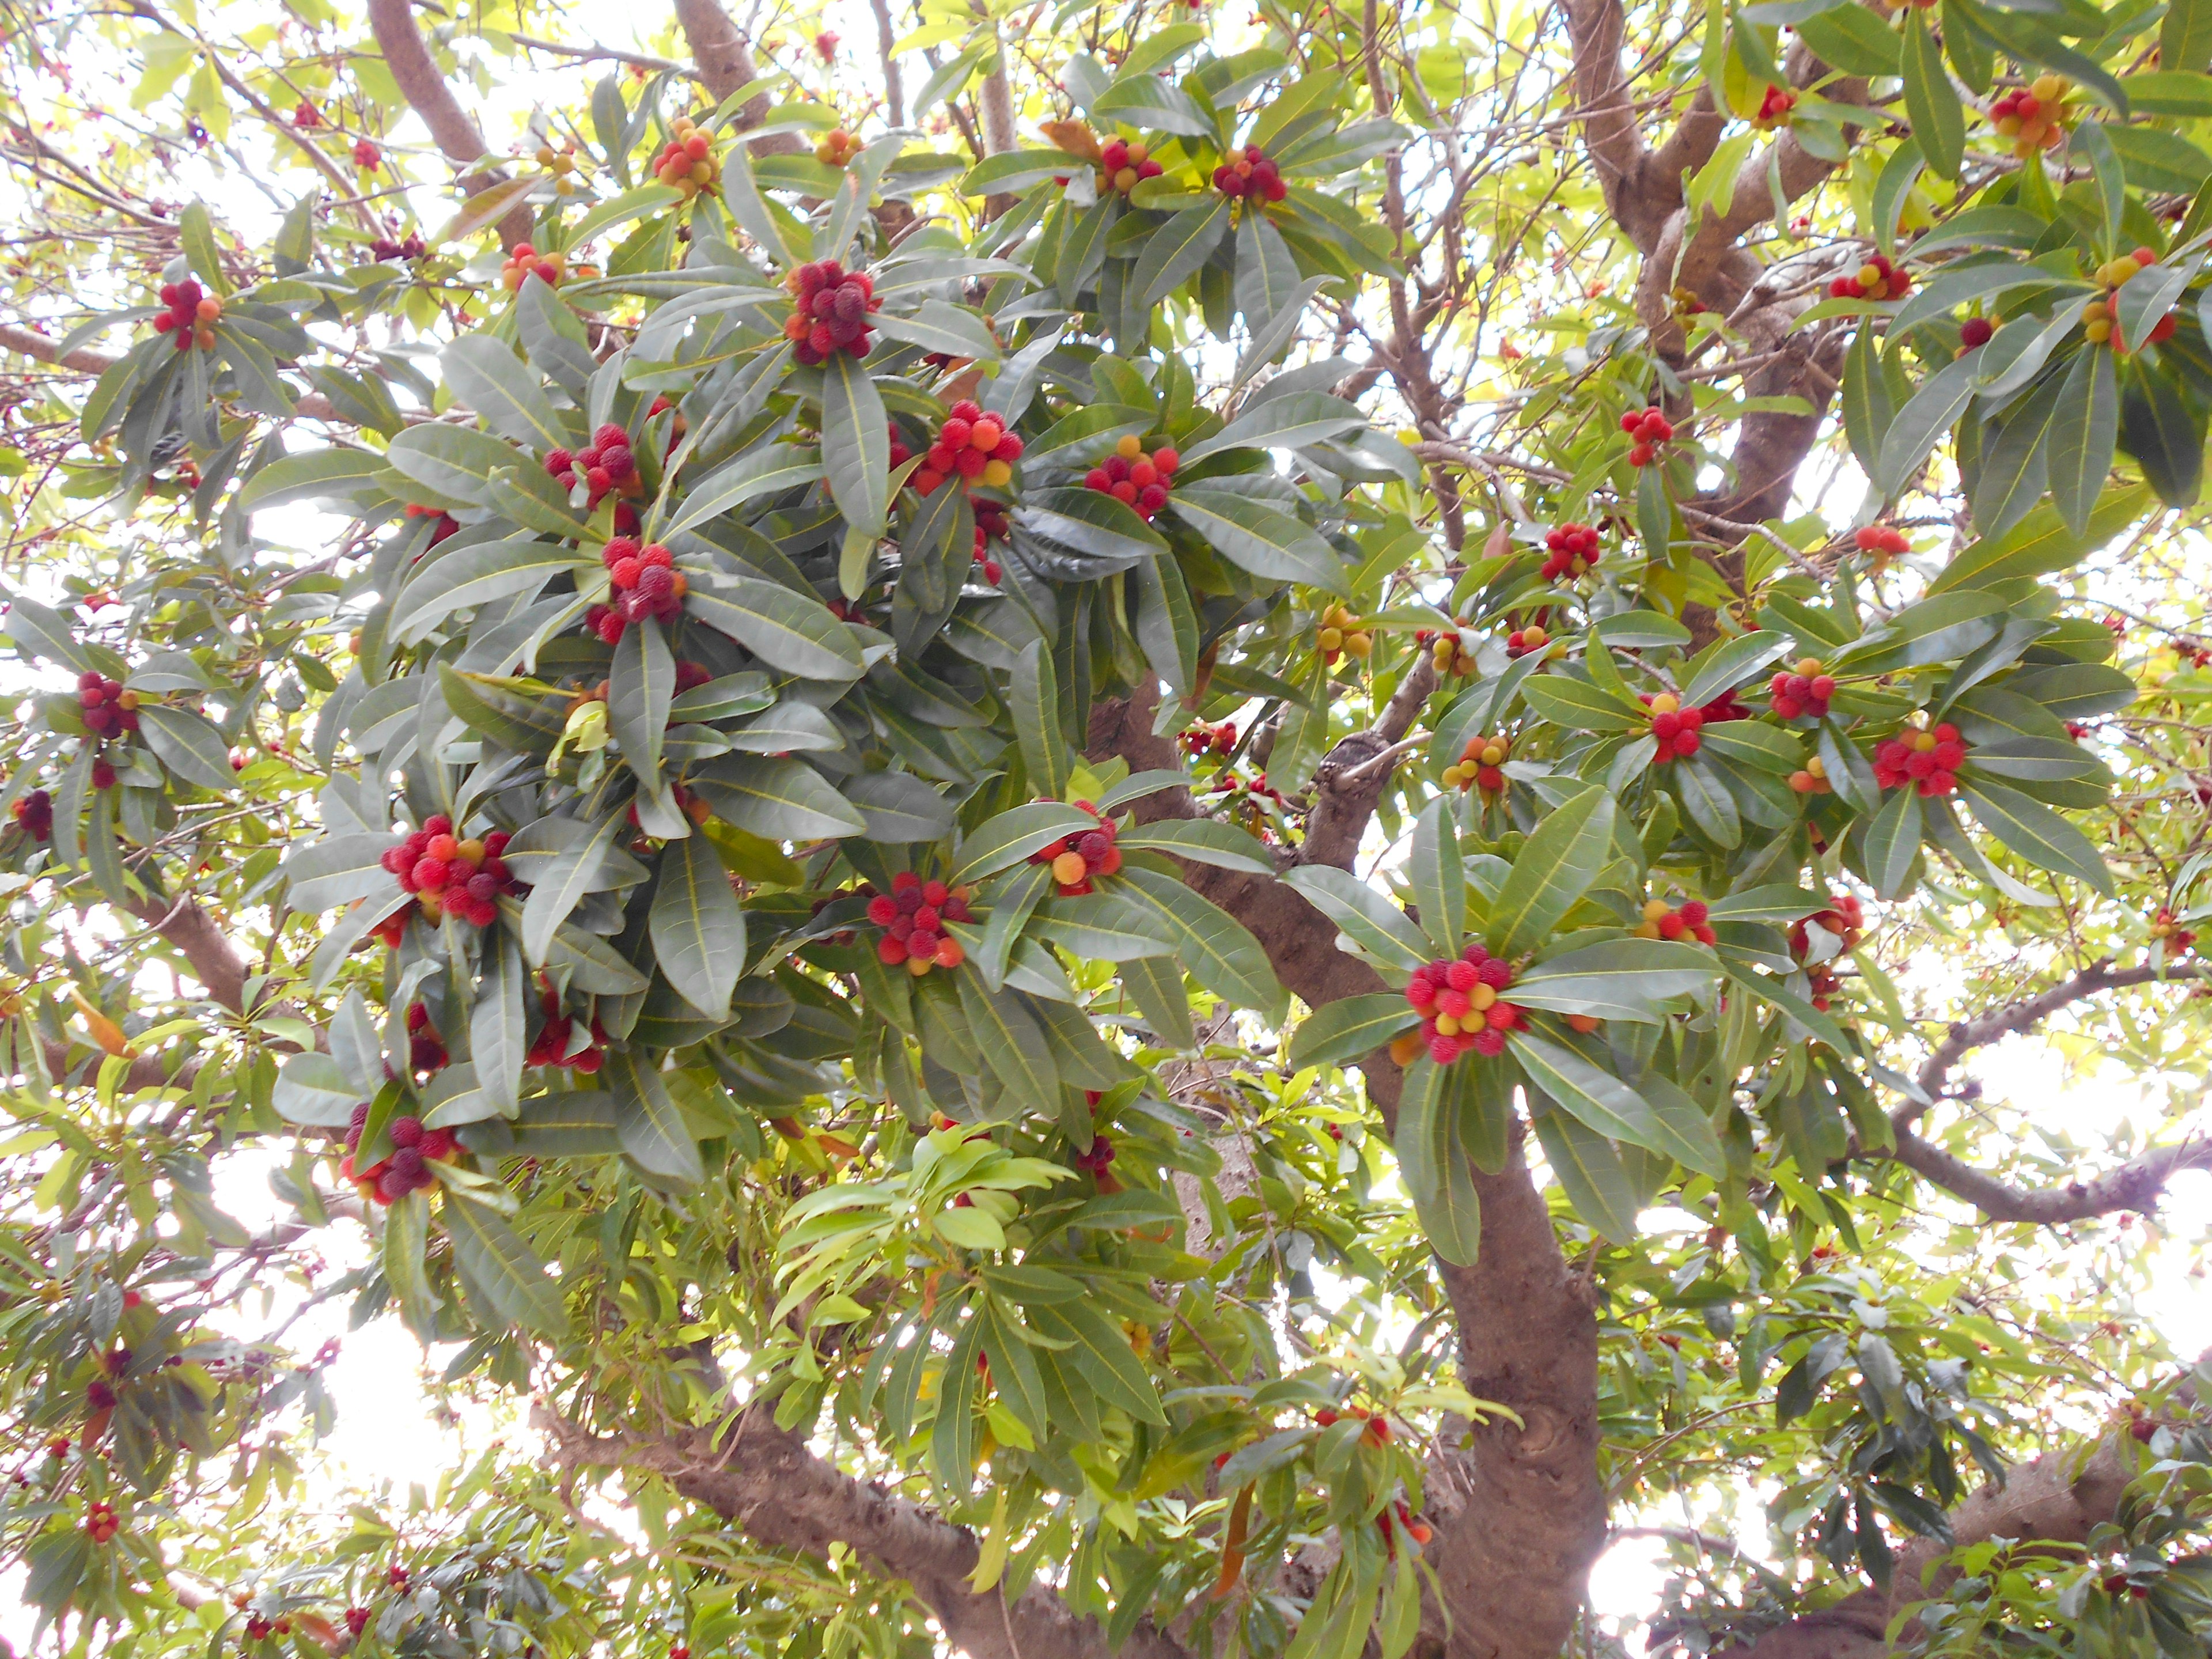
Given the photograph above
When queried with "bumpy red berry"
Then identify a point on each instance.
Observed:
(1924, 758)
(830, 311)
(1461, 1008)
(1250, 173)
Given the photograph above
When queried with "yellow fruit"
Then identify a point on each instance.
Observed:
(1069, 868)
(1657, 909)
(1360, 644)
(1129, 448)
(2097, 332)
(1493, 756)
(1447, 1026)
(1808, 666)
(997, 474)
(1666, 703)
(1816, 767)
(1482, 996)
(1331, 639)
(2048, 89)
(1924, 742)
(917, 966)
(1454, 776)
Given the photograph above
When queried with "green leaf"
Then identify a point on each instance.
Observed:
(1554, 868)
(1289, 421)
(1852, 38)
(1012, 1043)
(1603, 1102)
(477, 575)
(697, 926)
(1174, 252)
(1106, 926)
(1579, 706)
(334, 871)
(648, 1123)
(1439, 881)
(196, 234)
(494, 1259)
(1930, 413)
(780, 799)
(641, 685)
(768, 471)
(406, 1243)
(1432, 1165)
(1012, 835)
(1102, 1355)
(1267, 273)
(1091, 523)
(188, 746)
(487, 376)
(1729, 663)
(2083, 433)
(496, 1026)
(1590, 1169)
(561, 885)
(2163, 435)
(795, 634)
(856, 445)
(1034, 695)
(1016, 170)
(316, 475)
(1891, 840)
(1619, 979)
(1257, 538)
(454, 465)
(313, 1091)
(1366, 917)
(1350, 1029)
(1216, 949)
(2037, 834)
(1939, 121)
(40, 632)
(1200, 840)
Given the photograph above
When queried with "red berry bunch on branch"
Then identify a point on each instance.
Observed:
(1574, 551)
(646, 584)
(101, 1522)
(446, 524)
(426, 1049)
(1123, 164)
(190, 316)
(414, 1149)
(35, 813)
(1877, 279)
(1926, 759)
(1883, 541)
(606, 463)
(1802, 692)
(1774, 108)
(1251, 174)
(976, 445)
(550, 1046)
(1076, 859)
(1256, 786)
(526, 262)
(992, 524)
(1649, 429)
(106, 708)
(449, 876)
(912, 916)
(356, 1620)
(687, 162)
(1845, 918)
(1522, 640)
(1663, 920)
(411, 246)
(831, 314)
(2166, 927)
(1132, 477)
(1201, 738)
(1478, 765)
(367, 156)
(1446, 650)
(1463, 1006)
(1675, 726)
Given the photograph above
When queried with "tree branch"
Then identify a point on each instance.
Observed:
(428, 95)
(2135, 1185)
(84, 361)
(766, 1481)
(726, 64)
(886, 38)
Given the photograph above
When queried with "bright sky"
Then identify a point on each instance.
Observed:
(389, 1431)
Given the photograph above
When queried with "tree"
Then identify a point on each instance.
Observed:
(1122, 855)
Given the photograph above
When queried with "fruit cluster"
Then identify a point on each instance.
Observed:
(1376, 1433)
(1649, 429)
(1461, 1006)
(1664, 921)
(1478, 765)
(1675, 726)
(1446, 650)
(1124, 164)
(1845, 918)
(426, 1049)
(1573, 550)
(525, 262)
(446, 524)
(35, 812)
(1132, 477)
(831, 311)
(1812, 778)
(449, 876)
(645, 582)
(1774, 108)
(105, 706)
(2100, 318)
(836, 148)
(101, 1522)
(992, 524)
(1075, 859)
(549, 1047)
(367, 156)
(1522, 640)
(1097, 1157)
(1400, 1518)
(1339, 632)
(973, 445)
(606, 463)
(1251, 174)
(190, 316)
(1877, 279)
(414, 1149)
(2034, 119)
(1201, 738)
(912, 916)
(1883, 541)
(2166, 928)
(305, 116)
(1975, 332)
(356, 1620)
(1926, 759)
(1802, 692)
(1256, 786)
(561, 164)
(686, 162)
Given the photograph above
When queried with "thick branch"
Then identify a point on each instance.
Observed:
(2135, 1185)
(214, 956)
(429, 95)
(886, 38)
(726, 64)
(785, 1497)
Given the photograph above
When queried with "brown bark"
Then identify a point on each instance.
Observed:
(726, 64)
(425, 89)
